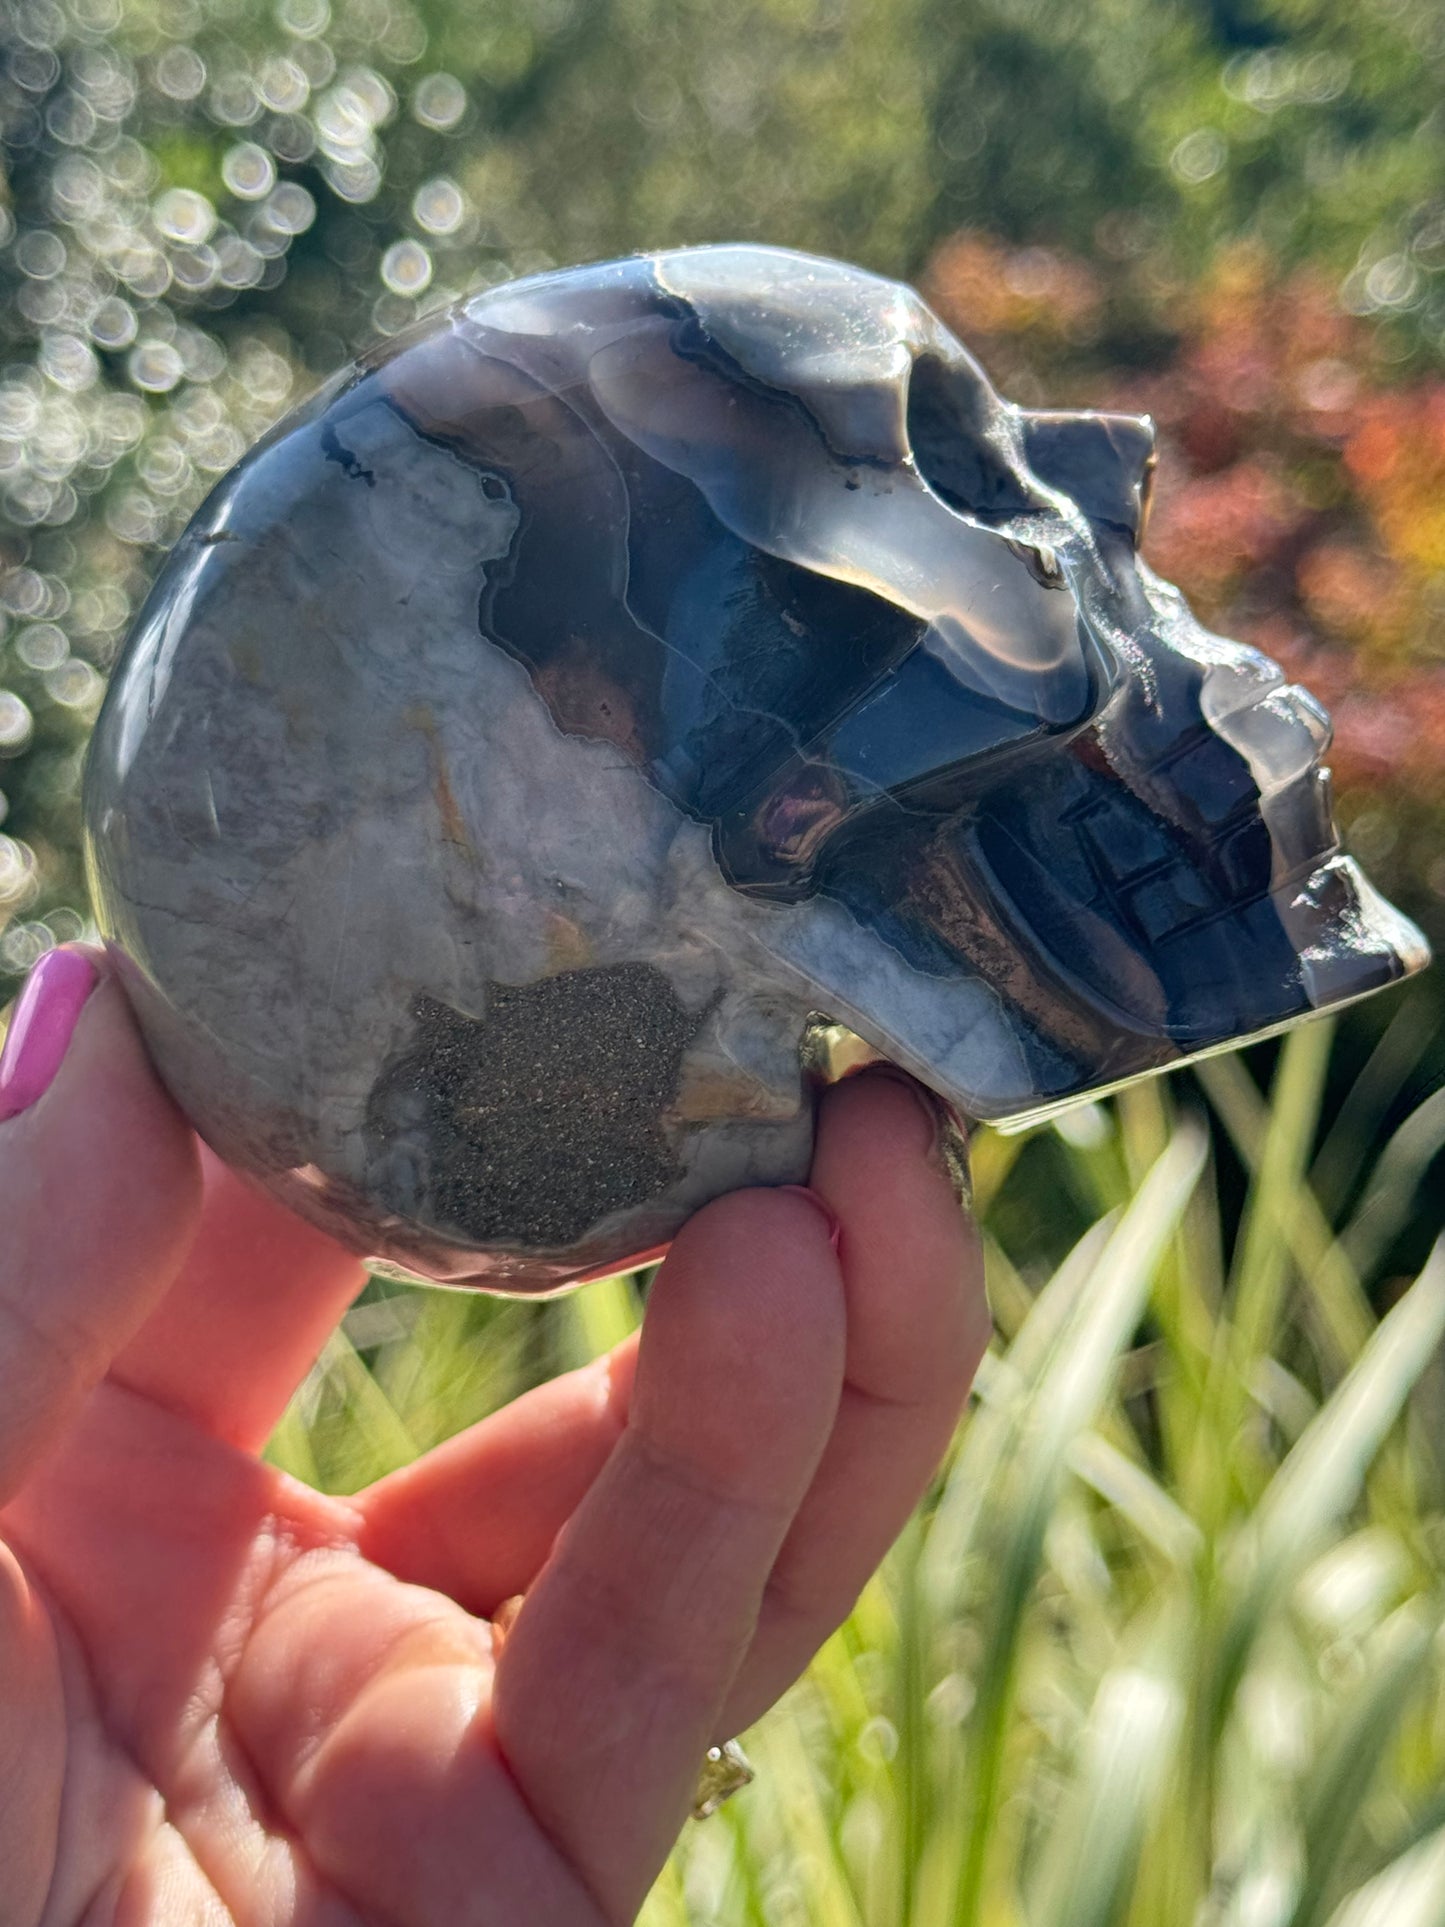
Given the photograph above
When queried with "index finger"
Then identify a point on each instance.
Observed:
(258, 1295)
(98, 1200)
(918, 1324)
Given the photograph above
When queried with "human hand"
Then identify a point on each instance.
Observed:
(225, 1697)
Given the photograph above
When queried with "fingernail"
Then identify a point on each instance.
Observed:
(41, 1027)
(503, 1620)
(933, 1109)
(947, 1142)
(835, 1230)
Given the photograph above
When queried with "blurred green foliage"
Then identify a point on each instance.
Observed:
(1164, 1644)
(205, 205)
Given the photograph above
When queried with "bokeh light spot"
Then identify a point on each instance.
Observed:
(305, 18)
(184, 216)
(248, 171)
(291, 209)
(42, 646)
(439, 206)
(180, 73)
(113, 325)
(406, 267)
(1199, 156)
(16, 726)
(283, 85)
(440, 101)
(73, 684)
(40, 254)
(154, 366)
(23, 944)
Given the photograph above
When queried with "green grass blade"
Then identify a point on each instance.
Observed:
(1008, 1295)
(1093, 1851)
(1339, 1308)
(1262, 1270)
(989, 1440)
(463, 1357)
(1356, 1124)
(383, 1441)
(798, 1800)
(1137, 1497)
(1389, 1197)
(1344, 1773)
(603, 1314)
(1109, 1308)
(1409, 1893)
(1069, 1392)
(1323, 1474)
(290, 1446)
(1236, 1100)
(912, 1776)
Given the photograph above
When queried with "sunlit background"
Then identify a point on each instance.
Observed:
(1231, 212)
(1120, 1672)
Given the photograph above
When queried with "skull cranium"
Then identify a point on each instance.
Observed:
(589, 694)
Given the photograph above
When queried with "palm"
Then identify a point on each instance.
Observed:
(205, 1625)
(227, 1698)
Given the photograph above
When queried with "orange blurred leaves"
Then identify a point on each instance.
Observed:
(1301, 499)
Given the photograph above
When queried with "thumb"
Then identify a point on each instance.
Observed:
(100, 1194)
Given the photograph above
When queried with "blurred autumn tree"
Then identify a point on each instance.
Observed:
(1301, 492)
(1230, 211)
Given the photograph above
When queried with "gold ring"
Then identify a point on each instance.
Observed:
(725, 1771)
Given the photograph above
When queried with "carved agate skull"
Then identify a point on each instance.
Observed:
(590, 695)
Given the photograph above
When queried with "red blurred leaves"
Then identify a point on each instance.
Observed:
(1301, 498)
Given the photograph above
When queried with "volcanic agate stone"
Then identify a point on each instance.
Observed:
(588, 697)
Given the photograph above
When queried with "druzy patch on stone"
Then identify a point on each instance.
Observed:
(593, 694)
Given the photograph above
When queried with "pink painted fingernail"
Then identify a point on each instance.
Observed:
(835, 1230)
(41, 1027)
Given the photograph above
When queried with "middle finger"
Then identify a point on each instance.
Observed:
(477, 1517)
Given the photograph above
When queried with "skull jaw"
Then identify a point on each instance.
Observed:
(1353, 942)
(1015, 1003)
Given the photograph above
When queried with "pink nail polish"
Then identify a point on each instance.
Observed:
(41, 1027)
(835, 1230)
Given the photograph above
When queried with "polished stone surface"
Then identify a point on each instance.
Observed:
(587, 693)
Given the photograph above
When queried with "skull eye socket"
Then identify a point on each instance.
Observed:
(958, 433)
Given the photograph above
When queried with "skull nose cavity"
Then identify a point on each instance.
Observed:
(1105, 463)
